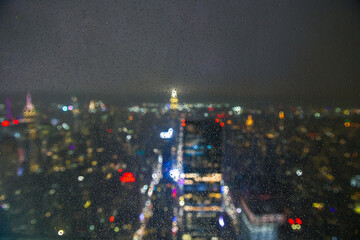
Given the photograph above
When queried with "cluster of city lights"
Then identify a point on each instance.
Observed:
(295, 224)
(147, 210)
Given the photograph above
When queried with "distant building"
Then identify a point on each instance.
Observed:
(29, 110)
(202, 175)
(174, 100)
(259, 225)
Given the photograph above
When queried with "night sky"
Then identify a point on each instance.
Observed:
(204, 48)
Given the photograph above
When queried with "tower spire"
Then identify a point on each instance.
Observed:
(174, 100)
(29, 110)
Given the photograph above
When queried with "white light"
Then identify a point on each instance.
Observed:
(173, 93)
(238, 210)
(167, 134)
(128, 137)
(80, 178)
(65, 126)
(237, 110)
(221, 221)
(64, 108)
(61, 232)
(299, 172)
(175, 173)
(154, 176)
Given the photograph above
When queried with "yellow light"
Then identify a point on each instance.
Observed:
(318, 205)
(188, 182)
(186, 237)
(296, 226)
(357, 209)
(249, 121)
(87, 204)
(173, 100)
(202, 208)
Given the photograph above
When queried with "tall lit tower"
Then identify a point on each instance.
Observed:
(29, 110)
(174, 100)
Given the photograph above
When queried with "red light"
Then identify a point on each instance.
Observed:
(120, 170)
(217, 120)
(183, 120)
(218, 115)
(211, 109)
(127, 177)
(112, 218)
(109, 130)
(15, 121)
(183, 124)
(222, 124)
(5, 123)
(291, 221)
(298, 221)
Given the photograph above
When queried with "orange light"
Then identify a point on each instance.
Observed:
(183, 124)
(131, 118)
(229, 122)
(347, 124)
(281, 115)
(249, 121)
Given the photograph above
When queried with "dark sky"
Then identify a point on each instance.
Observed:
(203, 48)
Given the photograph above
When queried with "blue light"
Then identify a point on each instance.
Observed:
(196, 146)
(64, 108)
(174, 219)
(221, 221)
(20, 171)
(208, 146)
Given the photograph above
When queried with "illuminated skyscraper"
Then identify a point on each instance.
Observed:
(174, 100)
(202, 197)
(29, 118)
(29, 110)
